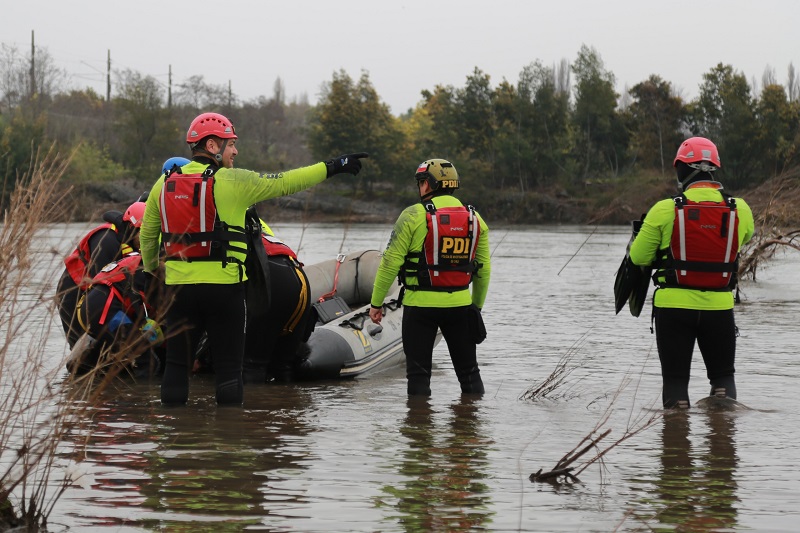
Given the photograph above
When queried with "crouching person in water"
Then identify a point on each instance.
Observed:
(106, 243)
(693, 241)
(438, 248)
(114, 313)
(278, 307)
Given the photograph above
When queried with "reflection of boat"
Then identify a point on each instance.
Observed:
(345, 343)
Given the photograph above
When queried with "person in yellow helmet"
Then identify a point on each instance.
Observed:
(196, 215)
(438, 249)
(692, 241)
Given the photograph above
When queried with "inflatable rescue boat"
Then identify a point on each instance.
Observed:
(345, 343)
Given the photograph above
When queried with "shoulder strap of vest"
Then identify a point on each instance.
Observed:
(428, 205)
(207, 173)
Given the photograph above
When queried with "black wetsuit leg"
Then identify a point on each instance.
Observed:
(420, 326)
(220, 311)
(455, 325)
(67, 295)
(676, 333)
(717, 342)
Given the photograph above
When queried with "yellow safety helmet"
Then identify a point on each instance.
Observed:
(439, 173)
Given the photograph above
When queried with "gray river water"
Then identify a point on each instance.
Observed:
(358, 456)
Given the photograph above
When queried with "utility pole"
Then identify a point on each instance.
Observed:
(108, 78)
(230, 95)
(169, 88)
(33, 67)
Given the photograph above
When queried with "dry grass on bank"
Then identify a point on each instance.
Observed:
(776, 209)
(37, 412)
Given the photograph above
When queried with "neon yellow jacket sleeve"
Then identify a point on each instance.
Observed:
(234, 191)
(656, 234)
(408, 235)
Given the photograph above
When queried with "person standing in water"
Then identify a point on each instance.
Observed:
(196, 212)
(438, 249)
(693, 241)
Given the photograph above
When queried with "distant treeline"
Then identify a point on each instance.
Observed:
(558, 128)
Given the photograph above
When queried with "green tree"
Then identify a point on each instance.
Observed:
(145, 130)
(350, 117)
(79, 116)
(272, 137)
(725, 113)
(438, 134)
(779, 122)
(512, 147)
(545, 94)
(20, 141)
(475, 104)
(657, 115)
(600, 135)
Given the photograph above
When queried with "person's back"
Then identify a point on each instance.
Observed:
(692, 240)
(278, 308)
(100, 246)
(196, 214)
(115, 312)
(439, 250)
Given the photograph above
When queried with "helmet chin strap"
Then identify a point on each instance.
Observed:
(218, 155)
(698, 168)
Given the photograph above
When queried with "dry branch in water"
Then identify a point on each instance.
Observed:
(568, 468)
(560, 373)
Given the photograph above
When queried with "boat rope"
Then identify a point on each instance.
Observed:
(339, 260)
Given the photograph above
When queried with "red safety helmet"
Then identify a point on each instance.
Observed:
(135, 214)
(210, 124)
(697, 150)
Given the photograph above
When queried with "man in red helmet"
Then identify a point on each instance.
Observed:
(693, 241)
(196, 213)
(108, 242)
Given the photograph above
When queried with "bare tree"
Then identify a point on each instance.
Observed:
(199, 95)
(561, 76)
(18, 84)
(768, 77)
(793, 84)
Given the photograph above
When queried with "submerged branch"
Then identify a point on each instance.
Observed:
(568, 468)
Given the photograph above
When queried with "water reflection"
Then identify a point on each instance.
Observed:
(444, 465)
(697, 486)
(196, 464)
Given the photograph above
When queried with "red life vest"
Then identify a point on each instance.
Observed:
(77, 262)
(118, 277)
(705, 245)
(190, 225)
(275, 246)
(447, 260)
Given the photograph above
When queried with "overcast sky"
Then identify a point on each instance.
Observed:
(406, 46)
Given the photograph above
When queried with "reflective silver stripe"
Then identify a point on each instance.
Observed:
(682, 239)
(729, 246)
(203, 210)
(163, 210)
(435, 226)
(472, 226)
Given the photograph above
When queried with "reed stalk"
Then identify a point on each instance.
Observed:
(37, 411)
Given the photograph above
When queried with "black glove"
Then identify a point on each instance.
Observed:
(347, 163)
